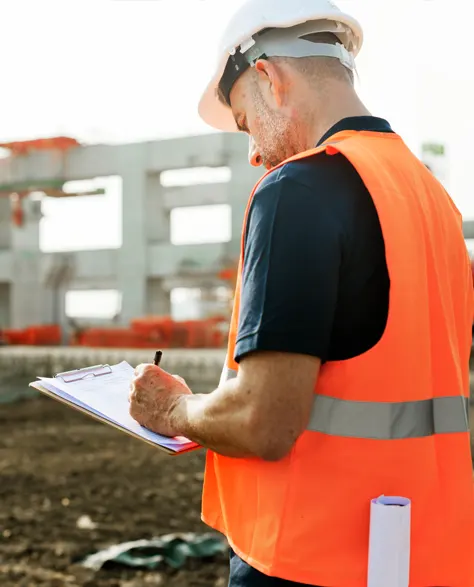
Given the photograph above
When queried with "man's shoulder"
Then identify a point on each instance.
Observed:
(324, 180)
(313, 172)
(325, 189)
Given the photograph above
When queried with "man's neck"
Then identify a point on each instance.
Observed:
(345, 105)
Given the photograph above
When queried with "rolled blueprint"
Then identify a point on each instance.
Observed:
(389, 542)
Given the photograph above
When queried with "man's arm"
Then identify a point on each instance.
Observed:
(288, 299)
(261, 413)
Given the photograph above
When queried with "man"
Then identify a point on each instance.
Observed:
(347, 371)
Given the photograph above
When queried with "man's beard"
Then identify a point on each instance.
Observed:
(278, 138)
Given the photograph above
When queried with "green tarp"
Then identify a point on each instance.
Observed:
(172, 550)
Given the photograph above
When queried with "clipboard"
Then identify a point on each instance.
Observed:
(95, 372)
(80, 374)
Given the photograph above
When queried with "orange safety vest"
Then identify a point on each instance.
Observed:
(392, 421)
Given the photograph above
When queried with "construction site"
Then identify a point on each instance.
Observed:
(117, 241)
(120, 234)
(147, 270)
(97, 489)
(99, 475)
(71, 487)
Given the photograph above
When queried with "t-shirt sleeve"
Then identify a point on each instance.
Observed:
(292, 261)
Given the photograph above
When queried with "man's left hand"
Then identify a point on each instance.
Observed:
(154, 395)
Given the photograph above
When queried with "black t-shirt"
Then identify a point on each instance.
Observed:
(315, 277)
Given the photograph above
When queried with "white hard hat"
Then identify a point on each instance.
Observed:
(271, 28)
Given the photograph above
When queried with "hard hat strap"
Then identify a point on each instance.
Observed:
(283, 42)
(237, 64)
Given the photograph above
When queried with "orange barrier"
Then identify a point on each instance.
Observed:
(205, 333)
(147, 332)
(158, 331)
(43, 335)
(113, 338)
(155, 328)
(13, 336)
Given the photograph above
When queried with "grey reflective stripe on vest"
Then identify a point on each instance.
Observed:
(384, 420)
(389, 421)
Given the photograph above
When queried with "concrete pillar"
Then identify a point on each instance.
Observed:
(158, 301)
(27, 296)
(157, 217)
(5, 223)
(158, 298)
(132, 258)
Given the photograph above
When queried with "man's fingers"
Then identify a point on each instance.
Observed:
(143, 368)
(139, 369)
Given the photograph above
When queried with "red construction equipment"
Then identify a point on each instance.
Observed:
(53, 143)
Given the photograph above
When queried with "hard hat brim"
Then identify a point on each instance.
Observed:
(213, 111)
(219, 116)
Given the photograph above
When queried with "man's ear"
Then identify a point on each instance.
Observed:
(270, 79)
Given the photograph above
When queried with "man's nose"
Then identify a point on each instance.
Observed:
(255, 159)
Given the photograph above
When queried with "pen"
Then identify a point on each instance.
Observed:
(157, 359)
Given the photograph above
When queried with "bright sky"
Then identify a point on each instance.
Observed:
(131, 70)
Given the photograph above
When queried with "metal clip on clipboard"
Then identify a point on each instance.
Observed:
(80, 374)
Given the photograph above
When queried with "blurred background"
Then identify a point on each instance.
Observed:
(120, 219)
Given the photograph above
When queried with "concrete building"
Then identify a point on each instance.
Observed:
(147, 266)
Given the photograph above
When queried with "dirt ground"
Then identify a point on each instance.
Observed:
(57, 465)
